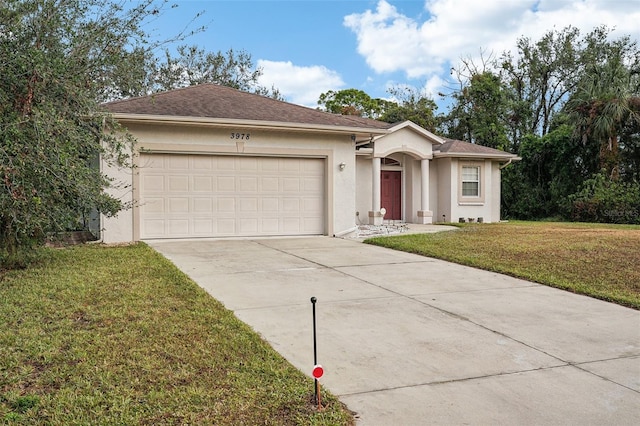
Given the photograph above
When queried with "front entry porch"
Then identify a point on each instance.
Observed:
(394, 200)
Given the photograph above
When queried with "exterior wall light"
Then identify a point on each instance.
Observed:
(341, 166)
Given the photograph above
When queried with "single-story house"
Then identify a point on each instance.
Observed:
(212, 161)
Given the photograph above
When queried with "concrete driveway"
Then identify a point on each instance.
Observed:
(409, 340)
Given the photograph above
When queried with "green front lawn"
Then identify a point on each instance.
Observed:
(117, 335)
(597, 260)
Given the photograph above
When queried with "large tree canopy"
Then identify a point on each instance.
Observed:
(526, 101)
(192, 65)
(478, 113)
(605, 102)
(60, 60)
(408, 104)
(351, 102)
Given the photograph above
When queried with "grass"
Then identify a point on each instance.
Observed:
(117, 335)
(597, 260)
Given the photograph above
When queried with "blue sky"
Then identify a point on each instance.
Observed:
(307, 47)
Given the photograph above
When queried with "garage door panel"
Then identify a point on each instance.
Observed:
(226, 183)
(153, 205)
(269, 184)
(202, 162)
(202, 183)
(248, 226)
(308, 184)
(226, 205)
(153, 182)
(226, 227)
(248, 184)
(178, 205)
(310, 223)
(203, 205)
(250, 164)
(268, 164)
(226, 163)
(177, 162)
(291, 224)
(311, 205)
(207, 196)
(178, 183)
(178, 226)
(269, 204)
(154, 226)
(291, 184)
(291, 205)
(203, 227)
(249, 205)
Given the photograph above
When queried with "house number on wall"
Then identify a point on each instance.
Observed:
(240, 136)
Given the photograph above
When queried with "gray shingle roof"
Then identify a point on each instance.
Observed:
(214, 101)
(221, 102)
(459, 148)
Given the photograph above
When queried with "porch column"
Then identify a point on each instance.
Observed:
(375, 217)
(424, 214)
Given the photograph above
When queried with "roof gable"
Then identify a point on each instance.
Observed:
(221, 102)
(417, 129)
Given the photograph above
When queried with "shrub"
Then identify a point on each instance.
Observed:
(601, 199)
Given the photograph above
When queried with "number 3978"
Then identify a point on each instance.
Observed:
(240, 136)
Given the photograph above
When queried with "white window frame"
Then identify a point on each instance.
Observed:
(478, 198)
(467, 171)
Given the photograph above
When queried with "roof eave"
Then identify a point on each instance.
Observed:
(476, 156)
(252, 124)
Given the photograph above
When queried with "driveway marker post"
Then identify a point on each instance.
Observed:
(316, 398)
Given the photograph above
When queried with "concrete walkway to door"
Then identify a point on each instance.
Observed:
(409, 340)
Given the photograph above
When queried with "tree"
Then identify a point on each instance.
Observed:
(605, 102)
(552, 168)
(351, 102)
(194, 65)
(530, 97)
(59, 60)
(478, 112)
(540, 77)
(411, 105)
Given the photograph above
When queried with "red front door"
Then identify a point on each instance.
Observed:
(390, 194)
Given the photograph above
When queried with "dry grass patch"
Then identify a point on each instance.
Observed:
(601, 261)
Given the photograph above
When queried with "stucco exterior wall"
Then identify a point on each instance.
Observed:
(413, 185)
(445, 181)
(335, 149)
(451, 204)
(119, 228)
(363, 195)
(496, 191)
(434, 188)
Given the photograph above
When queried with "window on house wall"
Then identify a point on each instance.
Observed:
(470, 181)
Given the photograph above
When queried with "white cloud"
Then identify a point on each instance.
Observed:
(299, 84)
(390, 41)
(434, 86)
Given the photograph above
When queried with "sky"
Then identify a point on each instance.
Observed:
(308, 47)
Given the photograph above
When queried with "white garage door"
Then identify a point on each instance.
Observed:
(186, 196)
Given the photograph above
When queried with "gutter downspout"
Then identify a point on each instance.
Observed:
(504, 166)
(345, 232)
